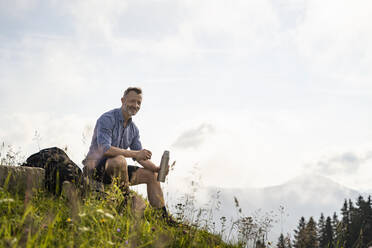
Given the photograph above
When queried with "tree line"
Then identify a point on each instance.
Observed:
(353, 229)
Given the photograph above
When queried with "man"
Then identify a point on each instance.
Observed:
(114, 133)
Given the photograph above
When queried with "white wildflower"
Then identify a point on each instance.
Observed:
(13, 241)
(82, 214)
(7, 200)
(110, 243)
(109, 215)
(100, 211)
(84, 229)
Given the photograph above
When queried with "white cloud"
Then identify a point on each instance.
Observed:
(335, 39)
(268, 69)
(17, 8)
(96, 19)
(347, 163)
(18, 130)
(238, 25)
(194, 137)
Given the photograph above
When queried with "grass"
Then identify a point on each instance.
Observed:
(40, 219)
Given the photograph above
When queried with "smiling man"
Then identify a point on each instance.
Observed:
(116, 138)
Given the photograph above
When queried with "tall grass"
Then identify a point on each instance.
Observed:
(40, 219)
(45, 220)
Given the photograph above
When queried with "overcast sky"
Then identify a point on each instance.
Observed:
(248, 92)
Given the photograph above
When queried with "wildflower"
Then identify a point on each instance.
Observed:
(126, 242)
(84, 229)
(153, 229)
(109, 216)
(184, 232)
(102, 220)
(13, 241)
(110, 243)
(7, 200)
(68, 220)
(100, 211)
(118, 230)
(82, 214)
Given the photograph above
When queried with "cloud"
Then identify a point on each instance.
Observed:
(345, 163)
(17, 8)
(337, 43)
(95, 19)
(194, 137)
(31, 131)
(73, 57)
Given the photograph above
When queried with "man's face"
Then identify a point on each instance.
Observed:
(132, 102)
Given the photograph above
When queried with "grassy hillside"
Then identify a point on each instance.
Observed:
(39, 219)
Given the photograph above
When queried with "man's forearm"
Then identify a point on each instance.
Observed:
(147, 164)
(115, 151)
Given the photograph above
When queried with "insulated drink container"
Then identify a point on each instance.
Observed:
(163, 166)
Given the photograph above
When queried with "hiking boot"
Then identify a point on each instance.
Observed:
(168, 218)
(171, 222)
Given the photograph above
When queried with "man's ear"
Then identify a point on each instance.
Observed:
(122, 100)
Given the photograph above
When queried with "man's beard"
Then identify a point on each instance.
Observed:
(131, 111)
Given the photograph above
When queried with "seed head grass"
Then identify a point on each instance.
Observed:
(46, 220)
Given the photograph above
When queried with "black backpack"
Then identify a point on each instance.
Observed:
(58, 168)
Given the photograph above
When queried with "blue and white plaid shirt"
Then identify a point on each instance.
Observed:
(109, 131)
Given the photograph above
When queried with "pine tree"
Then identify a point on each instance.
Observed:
(335, 226)
(260, 244)
(287, 241)
(356, 222)
(328, 234)
(321, 231)
(311, 237)
(343, 235)
(363, 221)
(368, 224)
(281, 242)
(300, 235)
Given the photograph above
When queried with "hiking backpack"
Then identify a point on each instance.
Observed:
(58, 168)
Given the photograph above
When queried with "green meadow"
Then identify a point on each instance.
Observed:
(40, 219)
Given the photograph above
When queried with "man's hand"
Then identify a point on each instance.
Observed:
(143, 155)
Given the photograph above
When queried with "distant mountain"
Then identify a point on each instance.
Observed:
(306, 195)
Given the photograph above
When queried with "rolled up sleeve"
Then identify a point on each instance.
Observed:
(105, 127)
(136, 143)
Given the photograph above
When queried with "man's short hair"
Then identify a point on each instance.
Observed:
(135, 89)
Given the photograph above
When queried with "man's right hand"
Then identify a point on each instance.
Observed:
(143, 155)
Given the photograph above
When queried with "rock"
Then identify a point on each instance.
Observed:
(22, 179)
(70, 192)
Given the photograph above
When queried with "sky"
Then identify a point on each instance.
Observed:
(243, 93)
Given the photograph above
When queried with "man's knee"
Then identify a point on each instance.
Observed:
(117, 160)
(146, 176)
(153, 177)
(117, 163)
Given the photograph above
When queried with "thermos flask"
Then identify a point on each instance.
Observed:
(163, 166)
